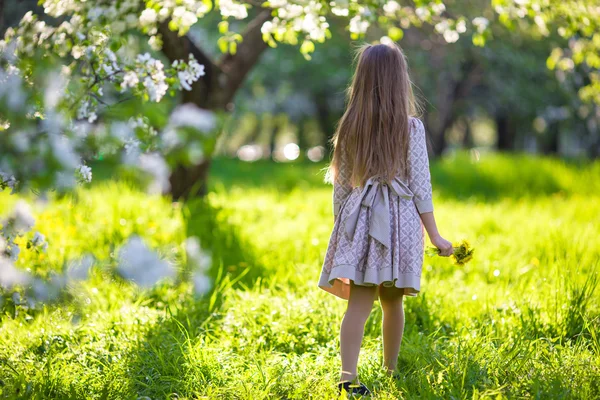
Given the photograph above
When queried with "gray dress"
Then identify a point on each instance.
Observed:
(378, 236)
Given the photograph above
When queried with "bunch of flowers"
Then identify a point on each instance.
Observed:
(463, 253)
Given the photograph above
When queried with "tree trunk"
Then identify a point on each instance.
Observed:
(506, 132)
(451, 91)
(468, 141)
(325, 120)
(302, 132)
(594, 146)
(551, 139)
(214, 91)
(2, 29)
(256, 130)
(273, 138)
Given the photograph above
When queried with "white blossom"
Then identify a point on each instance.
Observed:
(155, 43)
(170, 139)
(12, 251)
(9, 181)
(85, 111)
(54, 123)
(184, 80)
(277, 3)
(184, 17)
(141, 265)
(132, 146)
(63, 151)
(21, 141)
(11, 89)
(156, 88)
(190, 74)
(39, 241)
(438, 8)
(130, 79)
(44, 291)
(442, 26)
(451, 36)
(10, 276)
(21, 220)
(84, 173)
(481, 23)
(229, 8)
(340, 11)
(358, 25)
(79, 270)
(202, 283)
(109, 64)
(196, 256)
(189, 115)
(154, 165)
(148, 17)
(55, 89)
(77, 51)
(422, 12)
(391, 7)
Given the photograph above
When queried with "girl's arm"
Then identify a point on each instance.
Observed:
(419, 181)
(436, 239)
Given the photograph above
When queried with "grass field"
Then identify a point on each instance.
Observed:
(522, 320)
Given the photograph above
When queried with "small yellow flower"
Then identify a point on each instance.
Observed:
(463, 253)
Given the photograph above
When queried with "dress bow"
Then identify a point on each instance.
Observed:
(376, 195)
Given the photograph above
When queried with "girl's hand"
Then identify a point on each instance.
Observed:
(445, 246)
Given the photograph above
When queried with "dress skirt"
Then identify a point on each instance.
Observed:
(366, 260)
(378, 236)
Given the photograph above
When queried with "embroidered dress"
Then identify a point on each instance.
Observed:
(378, 236)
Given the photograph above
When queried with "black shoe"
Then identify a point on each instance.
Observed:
(354, 388)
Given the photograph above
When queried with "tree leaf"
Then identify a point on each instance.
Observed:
(223, 44)
(223, 27)
(395, 33)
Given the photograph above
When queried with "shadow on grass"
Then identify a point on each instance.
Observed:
(233, 257)
(169, 361)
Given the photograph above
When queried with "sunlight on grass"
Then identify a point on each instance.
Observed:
(520, 320)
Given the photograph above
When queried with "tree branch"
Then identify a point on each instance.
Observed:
(177, 47)
(2, 17)
(237, 66)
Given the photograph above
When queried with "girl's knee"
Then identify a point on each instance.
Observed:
(390, 298)
(390, 294)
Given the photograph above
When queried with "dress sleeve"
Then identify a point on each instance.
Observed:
(419, 180)
(341, 186)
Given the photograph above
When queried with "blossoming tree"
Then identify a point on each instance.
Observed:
(89, 43)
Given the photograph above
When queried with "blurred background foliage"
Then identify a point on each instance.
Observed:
(500, 96)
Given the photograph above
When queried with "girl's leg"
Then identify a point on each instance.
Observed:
(392, 325)
(353, 327)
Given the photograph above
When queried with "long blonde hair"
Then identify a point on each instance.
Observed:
(373, 134)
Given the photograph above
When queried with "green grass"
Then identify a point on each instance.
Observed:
(519, 321)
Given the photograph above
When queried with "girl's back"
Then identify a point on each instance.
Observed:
(382, 200)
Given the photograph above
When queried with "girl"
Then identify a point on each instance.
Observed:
(381, 201)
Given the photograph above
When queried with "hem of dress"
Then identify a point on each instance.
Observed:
(337, 280)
